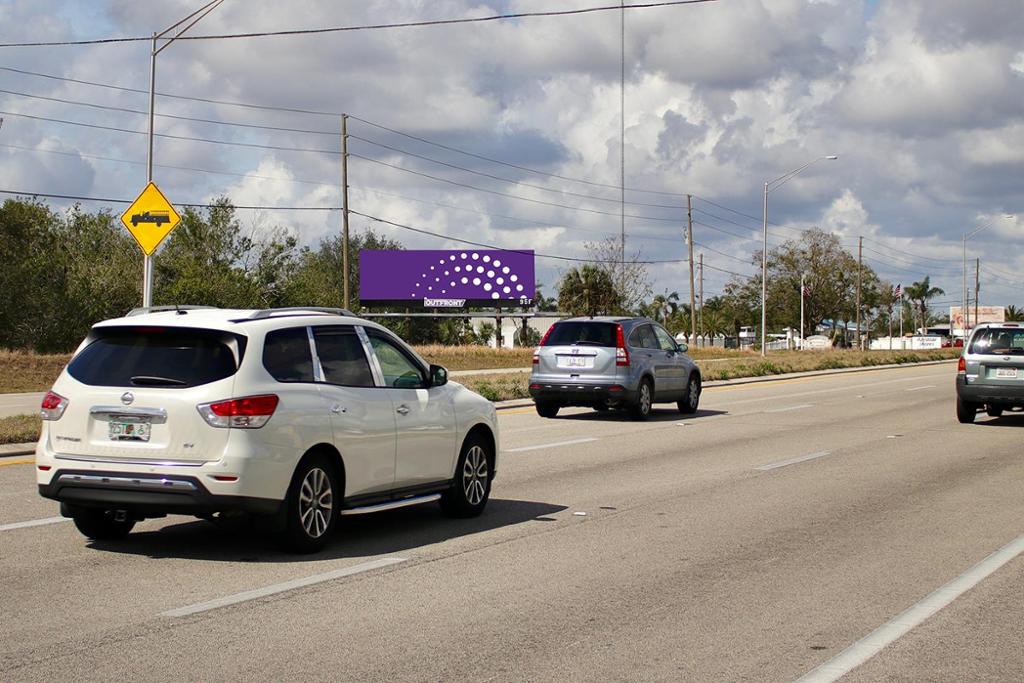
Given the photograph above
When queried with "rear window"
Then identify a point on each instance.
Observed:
(996, 341)
(166, 357)
(582, 333)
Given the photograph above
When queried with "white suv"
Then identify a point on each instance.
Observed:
(298, 415)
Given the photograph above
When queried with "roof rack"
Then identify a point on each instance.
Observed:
(270, 312)
(180, 310)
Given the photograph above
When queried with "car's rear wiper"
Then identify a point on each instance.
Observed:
(587, 343)
(150, 381)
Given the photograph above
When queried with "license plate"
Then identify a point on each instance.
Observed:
(573, 361)
(124, 430)
(1006, 373)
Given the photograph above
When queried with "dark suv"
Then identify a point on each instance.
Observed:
(607, 362)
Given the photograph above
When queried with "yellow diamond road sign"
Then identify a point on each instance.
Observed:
(150, 219)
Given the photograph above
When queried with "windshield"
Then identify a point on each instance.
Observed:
(156, 357)
(582, 333)
(998, 341)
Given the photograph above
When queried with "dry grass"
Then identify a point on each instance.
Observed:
(20, 428)
(24, 371)
(476, 357)
(498, 387)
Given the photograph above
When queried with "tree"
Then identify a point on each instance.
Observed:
(920, 293)
(628, 276)
(589, 290)
(545, 303)
(1014, 314)
(662, 307)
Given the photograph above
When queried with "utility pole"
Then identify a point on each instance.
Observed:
(803, 290)
(700, 298)
(977, 287)
(860, 259)
(344, 210)
(689, 243)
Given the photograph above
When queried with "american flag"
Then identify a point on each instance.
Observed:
(898, 292)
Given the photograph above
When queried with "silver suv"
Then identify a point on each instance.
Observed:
(607, 362)
(991, 371)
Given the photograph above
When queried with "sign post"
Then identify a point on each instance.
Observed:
(150, 219)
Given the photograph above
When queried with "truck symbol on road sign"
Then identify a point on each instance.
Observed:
(158, 217)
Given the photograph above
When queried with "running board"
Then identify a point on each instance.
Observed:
(393, 505)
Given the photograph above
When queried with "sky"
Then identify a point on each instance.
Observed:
(516, 125)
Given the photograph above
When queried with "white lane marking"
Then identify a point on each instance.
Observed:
(786, 410)
(547, 445)
(873, 643)
(926, 386)
(846, 388)
(33, 522)
(793, 461)
(273, 589)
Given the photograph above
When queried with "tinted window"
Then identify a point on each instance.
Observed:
(997, 341)
(287, 357)
(166, 357)
(342, 357)
(643, 337)
(665, 340)
(398, 368)
(582, 333)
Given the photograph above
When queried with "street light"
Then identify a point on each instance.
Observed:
(192, 20)
(768, 186)
(964, 313)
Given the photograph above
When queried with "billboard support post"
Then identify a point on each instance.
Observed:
(346, 273)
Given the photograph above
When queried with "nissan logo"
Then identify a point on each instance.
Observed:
(127, 398)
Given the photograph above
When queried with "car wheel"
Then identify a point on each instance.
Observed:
(994, 411)
(641, 409)
(311, 507)
(471, 487)
(101, 525)
(691, 399)
(965, 411)
(547, 409)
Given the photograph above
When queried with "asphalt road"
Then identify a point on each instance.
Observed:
(758, 540)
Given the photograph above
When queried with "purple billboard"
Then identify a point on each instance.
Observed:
(447, 279)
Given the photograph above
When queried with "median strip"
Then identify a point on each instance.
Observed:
(873, 643)
(276, 588)
(547, 445)
(793, 461)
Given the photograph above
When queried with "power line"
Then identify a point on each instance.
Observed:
(367, 27)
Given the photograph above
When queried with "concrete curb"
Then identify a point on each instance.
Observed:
(524, 402)
(12, 450)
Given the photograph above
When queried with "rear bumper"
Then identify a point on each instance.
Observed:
(988, 393)
(576, 394)
(147, 494)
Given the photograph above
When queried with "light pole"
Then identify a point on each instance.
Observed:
(189, 21)
(768, 187)
(964, 312)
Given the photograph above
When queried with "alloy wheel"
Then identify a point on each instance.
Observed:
(474, 475)
(316, 502)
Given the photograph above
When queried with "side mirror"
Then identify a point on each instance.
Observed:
(438, 376)
(683, 348)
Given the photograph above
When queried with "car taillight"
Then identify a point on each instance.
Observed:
(250, 412)
(536, 356)
(621, 352)
(544, 339)
(53, 406)
(961, 366)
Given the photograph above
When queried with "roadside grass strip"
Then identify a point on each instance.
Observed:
(873, 643)
(33, 522)
(793, 461)
(283, 587)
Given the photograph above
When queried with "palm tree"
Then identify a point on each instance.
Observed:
(664, 306)
(920, 293)
(1014, 314)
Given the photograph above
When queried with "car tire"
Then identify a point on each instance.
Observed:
(965, 411)
(601, 407)
(471, 485)
(547, 409)
(994, 411)
(691, 399)
(100, 525)
(311, 507)
(641, 408)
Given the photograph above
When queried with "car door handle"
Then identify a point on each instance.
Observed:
(402, 409)
(336, 409)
